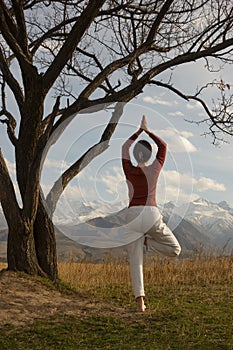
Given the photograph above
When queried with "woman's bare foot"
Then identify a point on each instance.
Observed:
(141, 307)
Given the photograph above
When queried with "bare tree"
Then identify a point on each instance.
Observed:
(110, 49)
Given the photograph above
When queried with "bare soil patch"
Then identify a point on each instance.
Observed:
(24, 299)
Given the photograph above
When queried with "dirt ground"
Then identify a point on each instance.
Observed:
(24, 299)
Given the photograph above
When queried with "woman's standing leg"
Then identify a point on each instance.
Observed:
(136, 271)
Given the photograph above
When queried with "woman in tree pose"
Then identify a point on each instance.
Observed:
(144, 223)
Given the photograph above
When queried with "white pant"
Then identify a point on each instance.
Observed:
(141, 221)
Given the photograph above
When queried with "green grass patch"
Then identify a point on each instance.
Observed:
(189, 317)
(189, 307)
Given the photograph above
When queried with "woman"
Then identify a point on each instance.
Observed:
(143, 220)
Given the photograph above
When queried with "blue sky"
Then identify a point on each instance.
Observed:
(194, 167)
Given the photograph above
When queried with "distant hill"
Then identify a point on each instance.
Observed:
(199, 223)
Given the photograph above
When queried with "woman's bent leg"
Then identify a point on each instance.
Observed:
(162, 240)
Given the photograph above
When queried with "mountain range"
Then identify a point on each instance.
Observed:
(93, 230)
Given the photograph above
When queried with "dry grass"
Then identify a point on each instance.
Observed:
(3, 266)
(201, 269)
(92, 278)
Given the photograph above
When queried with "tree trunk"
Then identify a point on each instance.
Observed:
(32, 248)
(45, 242)
(21, 254)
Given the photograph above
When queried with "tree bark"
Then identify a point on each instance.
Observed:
(45, 242)
(21, 254)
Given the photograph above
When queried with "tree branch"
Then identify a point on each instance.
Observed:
(157, 22)
(87, 79)
(11, 125)
(86, 158)
(218, 120)
(22, 30)
(36, 44)
(11, 81)
(110, 68)
(169, 87)
(7, 193)
(49, 120)
(10, 120)
(135, 87)
(10, 32)
(146, 46)
(98, 64)
(8, 19)
(74, 37)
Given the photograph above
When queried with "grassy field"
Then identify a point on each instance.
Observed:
(189, 306)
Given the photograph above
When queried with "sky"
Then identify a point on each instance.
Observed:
(194, 167)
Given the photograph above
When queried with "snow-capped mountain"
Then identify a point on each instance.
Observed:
(225, 205)
(204, 212)
(98, 225)
(75, 212)
(199, 222)
(215, 218)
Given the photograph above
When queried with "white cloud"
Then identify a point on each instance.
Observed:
(11, 167)
(175, 194)
(56, 164)
(73, 192)
(205, 184)
(51, 164)
(178, 140)
(176, 114)
(114, 178)
(202, 114)
(186, 134)
(189, 147)
(194, 105)
(175, 179)
(173, 186)
(115, 183)
(46, 188)
(183, 187)
(156, 100)
(50, 45)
